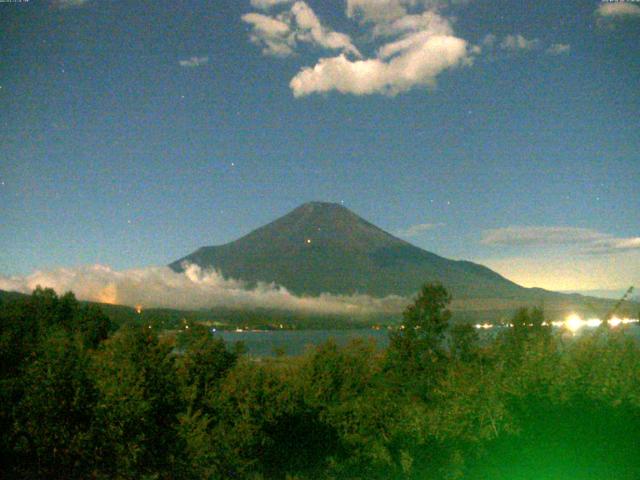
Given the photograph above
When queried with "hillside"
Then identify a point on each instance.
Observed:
(324, 247)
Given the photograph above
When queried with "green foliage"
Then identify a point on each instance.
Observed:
(527, 327)
(344, 386)
(464, 342)
(417, 349)
(77, 402)
(54, 414)
(137, 414)
(250, 409)
(204, 362)
(46, 393)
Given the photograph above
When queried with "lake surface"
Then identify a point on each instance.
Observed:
(294, 342)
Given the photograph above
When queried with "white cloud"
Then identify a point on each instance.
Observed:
(376, 10)
(590, 241)
(519, 235)
(416, 60)
(268, 4)
(193, 62)
(384, 11)
(618, 9)
(193, 289)
(427, 22)
(311, 30)
(559, 49)
(417, 229)
(518, 42)
(273, 35)
(278, 35)
(614, 245)
(420, 45)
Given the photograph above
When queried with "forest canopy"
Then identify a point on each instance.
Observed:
(83, 398)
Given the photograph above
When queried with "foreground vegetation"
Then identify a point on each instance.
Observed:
(80, 399)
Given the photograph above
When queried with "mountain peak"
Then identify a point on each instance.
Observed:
(315, 204)
(325, 247)
(322, 208)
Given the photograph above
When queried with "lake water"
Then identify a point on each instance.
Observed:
(294, 342)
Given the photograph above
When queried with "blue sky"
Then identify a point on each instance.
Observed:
(134, 132)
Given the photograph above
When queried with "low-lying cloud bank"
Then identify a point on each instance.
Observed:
(193, 289)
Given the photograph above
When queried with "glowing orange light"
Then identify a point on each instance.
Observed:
(108, 294)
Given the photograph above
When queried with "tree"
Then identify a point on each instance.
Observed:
(54, 415)
(136, 419)
(464, 340)
(417, 347)
(205, 361)
(93, 325)
(527, 328)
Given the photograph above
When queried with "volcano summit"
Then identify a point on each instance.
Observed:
(324, 247)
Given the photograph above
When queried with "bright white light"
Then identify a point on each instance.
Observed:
(483, 326)
(593, 322)
(573, 322)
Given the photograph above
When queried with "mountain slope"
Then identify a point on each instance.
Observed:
(324, 247)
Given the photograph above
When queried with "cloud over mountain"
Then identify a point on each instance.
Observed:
(195, 288)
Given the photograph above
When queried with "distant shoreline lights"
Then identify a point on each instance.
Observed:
(573, 323)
